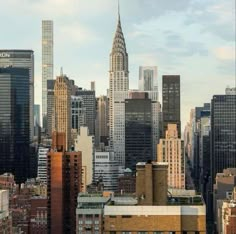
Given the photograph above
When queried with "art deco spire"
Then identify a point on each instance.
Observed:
(119, 40)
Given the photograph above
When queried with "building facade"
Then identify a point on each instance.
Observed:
(85, 144)
(223, 133)
(22, 59)
(36, 120)
(107, 170)
(50, 106)
(63, 185)
(15, 122)
(62, 108)
(89, 102)
(171, 150)
(47, 63)
(138, 129)
(118, 88)
(171, 102)
(42, 163)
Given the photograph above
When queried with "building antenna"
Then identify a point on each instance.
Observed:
(119, 9)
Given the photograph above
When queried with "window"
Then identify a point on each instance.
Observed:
(157, 232)
(142, 232)
(171, 232)
(126, 232)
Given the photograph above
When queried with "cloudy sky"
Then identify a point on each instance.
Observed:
(193, 38)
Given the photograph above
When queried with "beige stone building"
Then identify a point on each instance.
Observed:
(85, 144)
(171, 150)
(62, 108)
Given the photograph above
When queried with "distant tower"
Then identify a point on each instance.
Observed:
(62, 108)
(93, 86)
(118, 91)
(47, 63)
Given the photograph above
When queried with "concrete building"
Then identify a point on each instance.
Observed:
(127, 182)
(42, 163)
(64, 184)
(89, 104)
(15, 121)
(85, 144)
(62, 108)
(22, 59)
(47, 63)
(89, 213)
(138, 129)
(118, 92)
(5, 217)
(171, 102)
(171, 150)
(50, 107)
(107, 170)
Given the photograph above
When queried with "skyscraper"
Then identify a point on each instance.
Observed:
(63, 185)
(148, 83)
(62, 108)
(118, 92)
(47, 63)
(14, 122)
(171, 150)
(138, 129)
(102, 132)
(24, 59)
(148, 78)
(36, 120)
(50, 105)
(89, 102)
(171, 102)
(223, 133)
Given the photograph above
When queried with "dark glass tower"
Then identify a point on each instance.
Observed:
(171, 102)
(15, 122)
(223, 133)
(138, 130)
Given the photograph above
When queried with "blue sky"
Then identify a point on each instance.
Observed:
(193, 38)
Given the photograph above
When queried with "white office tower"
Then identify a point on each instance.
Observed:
(107, 170)
(47, 63)
(148, 83)
(42, 163)
(85, 144)
(118, 91)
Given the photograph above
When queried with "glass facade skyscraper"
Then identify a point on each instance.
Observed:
(223, 133)
(138, 130)
(148, 78)
(47, 63)
(14, 122)
(24, 59)
(171, 102)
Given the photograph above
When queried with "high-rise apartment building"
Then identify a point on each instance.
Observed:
(171, 102)
(22, 59)
(63, 185)
(15, 122)
(118, 92)
(42, 163)
(47, 63)
(138, 129)
(223, 133)
(62, 108)
(171, 150)
(89, 101)
(50, 105)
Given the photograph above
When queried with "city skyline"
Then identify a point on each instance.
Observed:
(165, 35)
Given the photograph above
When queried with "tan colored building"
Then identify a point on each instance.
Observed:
(85, 144)
(154, 210)
(171, 150)
(62, 108)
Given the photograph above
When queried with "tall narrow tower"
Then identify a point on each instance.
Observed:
(47, 63)
(118, 87)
